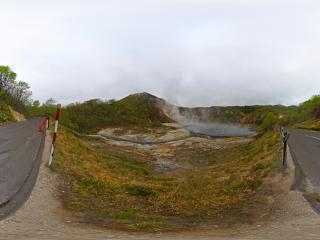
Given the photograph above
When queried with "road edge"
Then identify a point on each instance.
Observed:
(300, 182)
(17, 200)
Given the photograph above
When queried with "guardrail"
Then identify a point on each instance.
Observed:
(44, 124)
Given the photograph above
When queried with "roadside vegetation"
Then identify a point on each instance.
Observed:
(310, 124)
(5, 114)
(116, 191)
(308, 115)
(95, 114)
(13, 93)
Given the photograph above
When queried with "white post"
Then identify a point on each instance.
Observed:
(54, 134)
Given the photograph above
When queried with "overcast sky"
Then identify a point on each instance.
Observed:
(190, 52)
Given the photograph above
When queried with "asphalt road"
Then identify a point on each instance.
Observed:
(20, 155)
(305, 149)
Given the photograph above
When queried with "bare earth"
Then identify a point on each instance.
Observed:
(17, 116)
(43, 217)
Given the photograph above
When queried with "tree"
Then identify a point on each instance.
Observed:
(36, 103)
(17, 92)
(50, 102)
(20, 92)
(268, 122)
(110, 101)
(7, 78)
(317, 111)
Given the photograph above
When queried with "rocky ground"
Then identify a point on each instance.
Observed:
(171, 156)
(167, 133)
(43, 217)
(167, 148)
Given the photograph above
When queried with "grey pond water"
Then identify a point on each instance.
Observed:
(220, 129)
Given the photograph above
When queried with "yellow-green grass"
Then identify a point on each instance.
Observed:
(113, 191)
(5, 114)
(310, 124)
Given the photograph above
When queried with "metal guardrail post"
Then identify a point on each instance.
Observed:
(285, 137)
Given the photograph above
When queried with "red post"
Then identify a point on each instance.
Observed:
(54, 137)
(43, 124)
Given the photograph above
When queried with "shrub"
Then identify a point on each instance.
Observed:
(268, 123)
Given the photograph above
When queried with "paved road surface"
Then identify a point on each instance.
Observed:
(20, 154)
(305, 148)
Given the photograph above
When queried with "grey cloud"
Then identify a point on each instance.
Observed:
(193, 53)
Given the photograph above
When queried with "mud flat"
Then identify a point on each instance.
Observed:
(168, 153)
(171, 133)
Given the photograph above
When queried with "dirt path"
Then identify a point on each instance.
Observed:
(42, 217)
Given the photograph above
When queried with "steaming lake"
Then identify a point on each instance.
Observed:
(220, 129)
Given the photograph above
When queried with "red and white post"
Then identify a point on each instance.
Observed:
(54, 133)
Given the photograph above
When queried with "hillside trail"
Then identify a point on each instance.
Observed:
(43, 217)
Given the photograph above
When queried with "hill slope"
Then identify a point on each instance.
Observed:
(5, 113)
(140, 109)
(144, 109)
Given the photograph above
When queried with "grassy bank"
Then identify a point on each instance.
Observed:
(95, 114)
(5, 114)
(115, 191)
(310, 124)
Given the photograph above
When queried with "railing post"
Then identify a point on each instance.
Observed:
(285, 137)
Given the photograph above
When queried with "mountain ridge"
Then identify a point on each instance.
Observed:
(147, 110)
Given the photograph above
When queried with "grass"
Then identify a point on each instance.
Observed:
(317, 198)
(310, 124)
(117, 191)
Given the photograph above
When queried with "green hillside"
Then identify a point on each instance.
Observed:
(308, 114)
(92, 115)
(5, 114)
(146, 110)
(13, 93)
(254, 115)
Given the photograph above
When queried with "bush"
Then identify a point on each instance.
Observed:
(268, 123)
(317, 111)
(140, 191)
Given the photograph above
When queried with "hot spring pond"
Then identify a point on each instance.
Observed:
(220, 129)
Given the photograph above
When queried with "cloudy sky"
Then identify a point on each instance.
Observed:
(190, 52)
